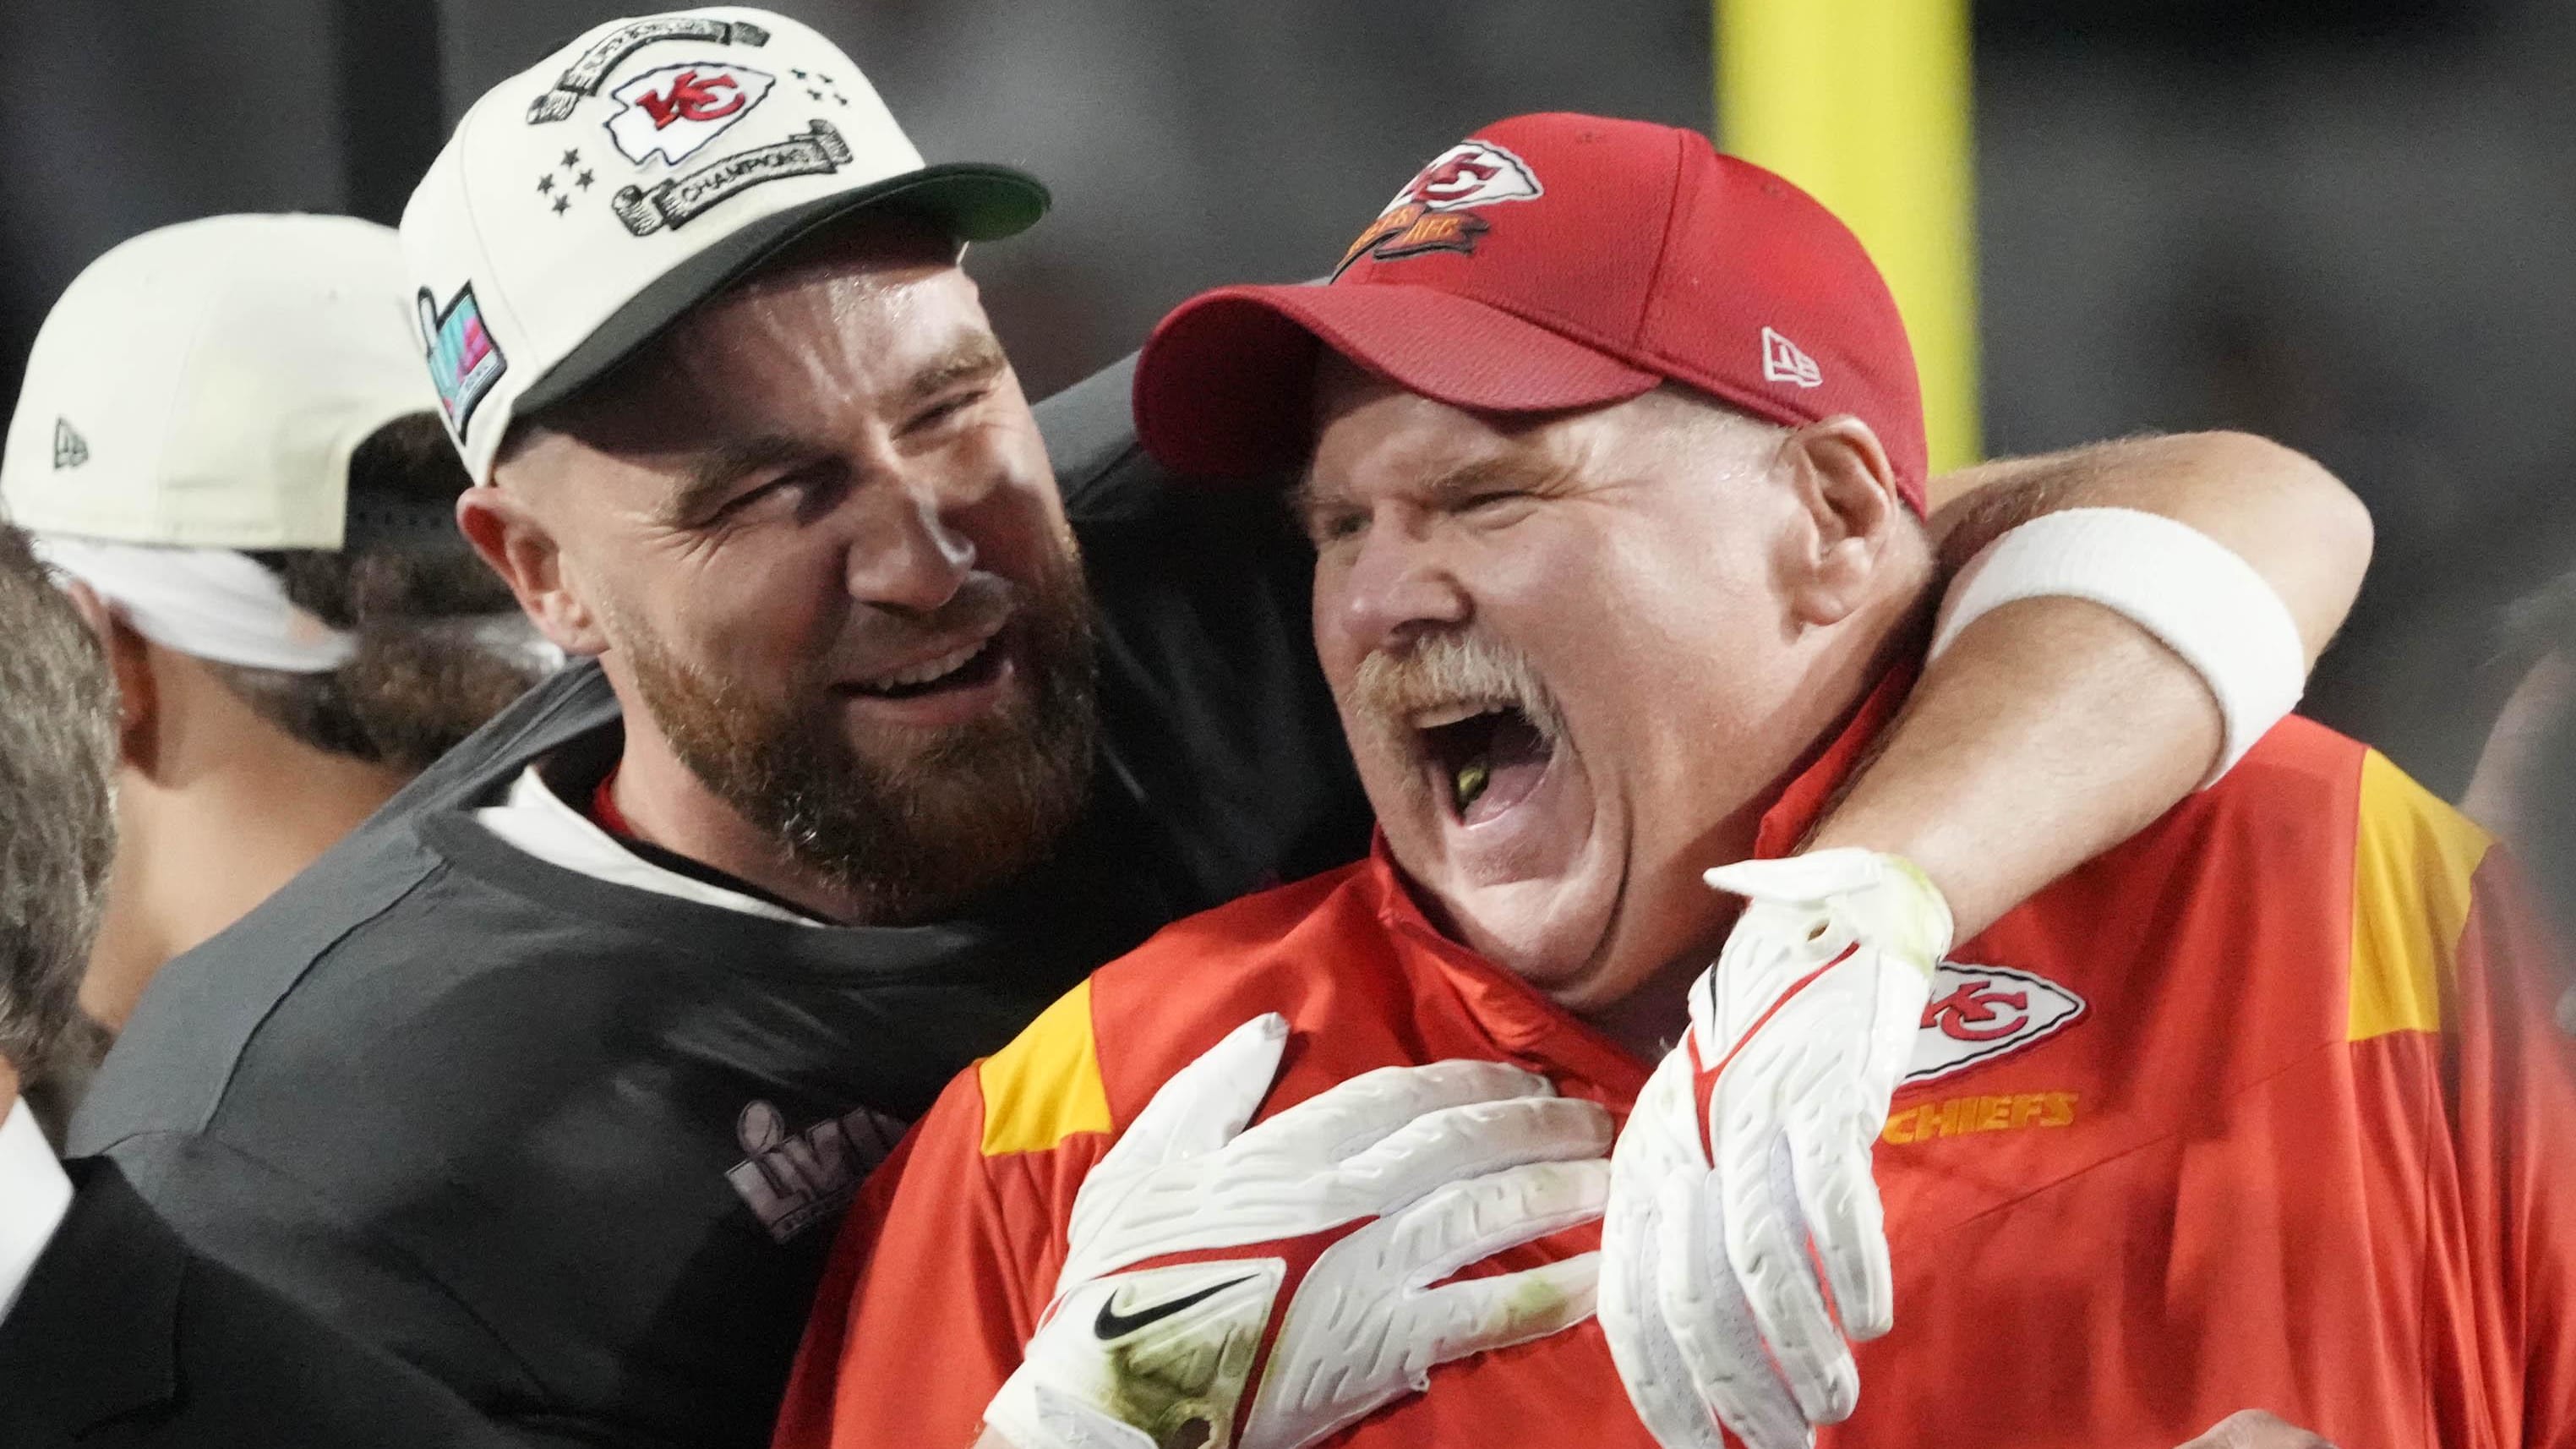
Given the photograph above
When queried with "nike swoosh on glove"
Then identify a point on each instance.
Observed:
(1746, 1163)
(1320, 1233)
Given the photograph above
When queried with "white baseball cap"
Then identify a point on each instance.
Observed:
(203, 385)
(585, 204)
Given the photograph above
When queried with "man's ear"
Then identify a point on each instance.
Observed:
(1847, 490)
(511, 536)
(129, 663)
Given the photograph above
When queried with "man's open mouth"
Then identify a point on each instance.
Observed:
(962, 668)
(1484, 758)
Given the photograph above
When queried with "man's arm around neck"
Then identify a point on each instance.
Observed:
(2054, 729)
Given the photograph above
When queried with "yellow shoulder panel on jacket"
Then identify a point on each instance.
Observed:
(2412, 858)
(1045, 1086)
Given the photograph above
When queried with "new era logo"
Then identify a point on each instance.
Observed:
(1784, 361)
(70, 448)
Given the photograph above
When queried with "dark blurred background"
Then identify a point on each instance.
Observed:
(2348, 224)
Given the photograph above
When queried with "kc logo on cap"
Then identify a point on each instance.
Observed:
(587, 203)
(679, 108)
(662, 115)
(1431, 213)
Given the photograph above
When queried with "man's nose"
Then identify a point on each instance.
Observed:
(1397, 585)
(920, 549)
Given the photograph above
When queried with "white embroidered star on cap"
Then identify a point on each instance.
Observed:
(584, 204)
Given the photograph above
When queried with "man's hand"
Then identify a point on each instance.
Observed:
(1332, 1219)
(2254, 1429)
(1745, 1167)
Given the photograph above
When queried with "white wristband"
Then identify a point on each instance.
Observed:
(2189, 590)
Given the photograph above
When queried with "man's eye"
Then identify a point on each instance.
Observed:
(750, 497)
(946, 408)
(1333, 527)
(785, 490)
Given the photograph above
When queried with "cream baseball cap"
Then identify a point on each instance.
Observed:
(584, 204)
(203, 385)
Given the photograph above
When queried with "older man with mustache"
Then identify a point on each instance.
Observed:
(2252, 1111)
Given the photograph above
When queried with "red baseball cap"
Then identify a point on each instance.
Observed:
(1552, 262)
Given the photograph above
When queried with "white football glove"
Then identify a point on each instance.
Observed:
(1193, 1236)
(1749, 1150)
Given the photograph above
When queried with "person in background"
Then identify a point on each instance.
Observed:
(112, 1331)
(224, 450)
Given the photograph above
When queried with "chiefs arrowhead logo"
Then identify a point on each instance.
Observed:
(1471, 173)
(676, 109)
(1978, 1013)
(1433, 211)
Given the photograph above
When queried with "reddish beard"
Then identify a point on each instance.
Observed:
(907, 833)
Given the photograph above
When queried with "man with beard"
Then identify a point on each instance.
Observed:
(2260, 1110)
(555, 1078)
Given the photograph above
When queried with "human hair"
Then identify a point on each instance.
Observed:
(57, 823)
(428, 670)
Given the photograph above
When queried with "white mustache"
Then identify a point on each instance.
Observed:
(1442, 671)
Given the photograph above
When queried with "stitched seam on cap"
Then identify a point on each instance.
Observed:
(1664, 243)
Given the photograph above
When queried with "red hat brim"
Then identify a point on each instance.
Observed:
(1224, 388)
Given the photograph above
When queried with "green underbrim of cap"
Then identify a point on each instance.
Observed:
(972, 202)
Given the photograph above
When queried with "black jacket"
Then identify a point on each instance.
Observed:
(576, 1150)
(124, 1336)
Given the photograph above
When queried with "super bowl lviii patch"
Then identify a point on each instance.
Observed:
(464, 361)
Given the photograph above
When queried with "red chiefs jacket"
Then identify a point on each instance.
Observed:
(2262, 1109)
